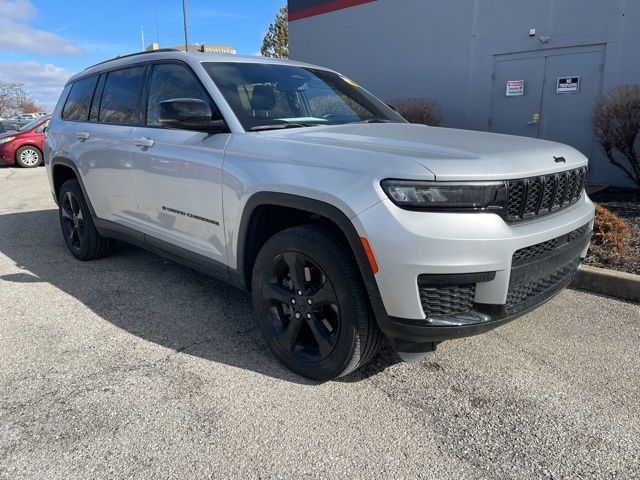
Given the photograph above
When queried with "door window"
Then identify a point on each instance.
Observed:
(79, 101)
(120, 96)
(170, 81)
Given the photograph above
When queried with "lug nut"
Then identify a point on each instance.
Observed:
(293, 301)
(300, 293)
(297, 315)
(309, 301)
(309, 316)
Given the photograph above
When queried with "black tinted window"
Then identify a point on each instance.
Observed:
(120, 96)
(79, 101)
(171, 81)
(95, 105)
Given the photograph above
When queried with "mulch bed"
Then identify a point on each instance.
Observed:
(624, 202)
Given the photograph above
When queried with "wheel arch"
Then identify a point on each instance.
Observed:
(315, 210)
(63, 169)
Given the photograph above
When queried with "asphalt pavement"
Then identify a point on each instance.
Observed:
(135, 367)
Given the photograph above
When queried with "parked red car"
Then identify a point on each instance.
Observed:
(24, 146)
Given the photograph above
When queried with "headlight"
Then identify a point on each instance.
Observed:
(451, 196)
(6, 139)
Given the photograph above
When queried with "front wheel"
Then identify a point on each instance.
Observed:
(311, 304)
(28, 157)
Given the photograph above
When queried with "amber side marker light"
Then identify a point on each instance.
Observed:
(369, 252)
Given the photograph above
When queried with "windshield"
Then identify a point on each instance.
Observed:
(265, 96)
(31, 125)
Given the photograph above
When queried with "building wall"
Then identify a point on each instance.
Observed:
(445, 49)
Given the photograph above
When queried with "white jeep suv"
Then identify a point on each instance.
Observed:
(346, 223)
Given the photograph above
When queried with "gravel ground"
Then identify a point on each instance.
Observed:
(134, 367)
(625, 203)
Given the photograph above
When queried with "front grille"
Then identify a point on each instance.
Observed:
(539, 249)
(520, 293)
(537, 196)
(535, 250)
(447, 300)
(578, 232)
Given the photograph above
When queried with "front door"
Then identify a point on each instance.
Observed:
(559, 91)
(178, 173)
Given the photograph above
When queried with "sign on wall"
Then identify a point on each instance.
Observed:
(515, 88)
(568, 85)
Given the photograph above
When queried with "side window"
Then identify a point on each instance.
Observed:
(170, 81)
(79, 100)
(57, 111)
(120, 96)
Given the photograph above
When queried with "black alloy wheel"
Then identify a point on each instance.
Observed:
(79, 231)
(311, 304)
(72, 222)
(302, 307)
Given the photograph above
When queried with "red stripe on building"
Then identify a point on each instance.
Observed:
(329, 7)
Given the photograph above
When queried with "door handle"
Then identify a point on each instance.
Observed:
(535, 119)
(143, 142)
(83, 135)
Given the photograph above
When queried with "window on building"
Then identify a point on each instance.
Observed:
(120, 97)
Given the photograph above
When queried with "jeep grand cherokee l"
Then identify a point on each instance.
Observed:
(346, 223)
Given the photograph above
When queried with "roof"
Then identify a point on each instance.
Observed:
(190, 57)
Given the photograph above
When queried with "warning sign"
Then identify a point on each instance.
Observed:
(515, 88)
(568, 85)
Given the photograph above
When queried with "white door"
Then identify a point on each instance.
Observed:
(178, 173)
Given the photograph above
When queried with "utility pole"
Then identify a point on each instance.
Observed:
(184, 20)
(142, 37)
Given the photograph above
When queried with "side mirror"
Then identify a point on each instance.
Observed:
(190, 114)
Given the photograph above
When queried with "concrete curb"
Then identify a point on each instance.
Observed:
(608, 282)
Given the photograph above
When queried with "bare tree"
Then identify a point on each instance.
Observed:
(616, 124)
(14, 99)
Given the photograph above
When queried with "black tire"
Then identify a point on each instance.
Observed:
(327, 340)
(28, 156)
(78, 229)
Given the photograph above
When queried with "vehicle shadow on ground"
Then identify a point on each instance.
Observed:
(150, 297)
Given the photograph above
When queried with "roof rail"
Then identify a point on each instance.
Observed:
(134, 54)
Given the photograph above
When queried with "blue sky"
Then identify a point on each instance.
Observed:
(43, 42)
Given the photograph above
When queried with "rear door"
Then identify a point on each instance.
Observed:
(178, 173)
(104, 143)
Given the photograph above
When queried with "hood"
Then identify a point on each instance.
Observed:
(450, 154)
(9, 133)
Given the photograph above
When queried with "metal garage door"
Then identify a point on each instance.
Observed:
(548, 94)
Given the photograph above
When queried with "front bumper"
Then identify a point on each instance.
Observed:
(7, 153)
(499, 271)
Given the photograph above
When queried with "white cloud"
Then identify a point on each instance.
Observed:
(18, 36)
(42, 80)
(17, 9)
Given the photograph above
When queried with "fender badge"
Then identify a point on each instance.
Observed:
(559, 159)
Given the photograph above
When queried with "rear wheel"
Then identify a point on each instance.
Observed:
(78, 229)
(311, 305)
(28, 156)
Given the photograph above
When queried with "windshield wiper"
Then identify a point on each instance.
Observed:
(375, 120)
(276, 126)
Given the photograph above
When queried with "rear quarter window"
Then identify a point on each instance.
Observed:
(79, 100)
